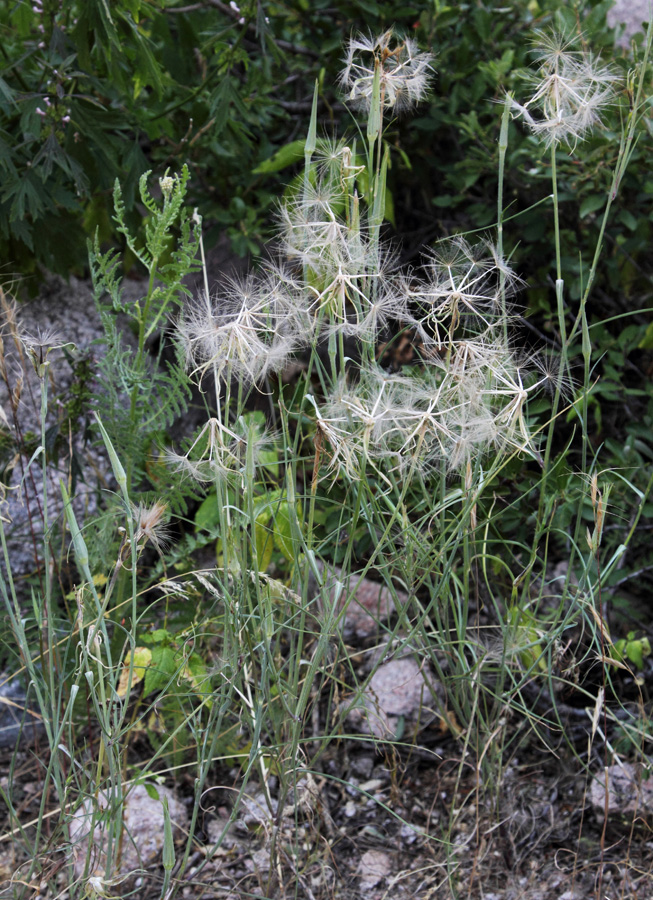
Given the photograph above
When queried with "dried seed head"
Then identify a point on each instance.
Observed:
(571, 91)
(246, 331)
(151, 524)
(405, 73)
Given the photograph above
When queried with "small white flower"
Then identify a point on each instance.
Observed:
(236, 9)
(167, 183)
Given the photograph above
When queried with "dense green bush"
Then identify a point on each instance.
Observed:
(90, 92)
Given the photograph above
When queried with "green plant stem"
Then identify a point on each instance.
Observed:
(503, 147)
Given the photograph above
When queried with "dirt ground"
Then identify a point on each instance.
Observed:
(432, 815)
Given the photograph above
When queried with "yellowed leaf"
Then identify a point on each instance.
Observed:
(142, 657)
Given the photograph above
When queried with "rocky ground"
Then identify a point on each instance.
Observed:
(632, 14)
(403, 804)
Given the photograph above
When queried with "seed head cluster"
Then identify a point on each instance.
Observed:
(337, 280)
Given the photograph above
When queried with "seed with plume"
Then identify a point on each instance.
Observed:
(465, 281)
(405, 72)
(151, 525)
(571, 91)
(243, 332)
(219, 452)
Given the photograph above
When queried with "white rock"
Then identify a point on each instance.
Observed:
(142, 839)
(372, 603)
(397, 688)
(373, 867)
(632, 13)
(629, 792)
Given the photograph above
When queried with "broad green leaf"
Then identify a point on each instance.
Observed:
(646, 342)
(195, 671)
(7, 93)
(207, 516)
(151, 791)
(161, 669)
(283, 535)
(627, 219)
(591, 204)
(264, 545)
(635, 653)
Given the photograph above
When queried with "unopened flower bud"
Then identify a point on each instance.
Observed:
(167, 183)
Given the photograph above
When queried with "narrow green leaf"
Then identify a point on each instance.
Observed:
(375, 117)
(311, 140)
(284, 157)
(168, 856)
(81, 551)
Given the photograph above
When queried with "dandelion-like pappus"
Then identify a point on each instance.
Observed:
(405, 72)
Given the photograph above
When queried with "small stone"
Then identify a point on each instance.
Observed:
(255, 811)
(362, 766)
(629, 792)
(397, 688)
(371, 786)
(409, 835)
(142, 838)
(215, 830)
(372, 603)
(373, 867)
(261, 860)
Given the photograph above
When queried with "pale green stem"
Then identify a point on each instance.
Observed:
(503, 147)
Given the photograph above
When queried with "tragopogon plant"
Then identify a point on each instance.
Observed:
(339, 282)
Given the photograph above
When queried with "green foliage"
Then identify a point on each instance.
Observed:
(91, 92)
(141, 395)
(632, 648)
(134, 85)
(273, 536)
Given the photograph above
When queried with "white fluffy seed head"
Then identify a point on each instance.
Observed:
(405, 73)
(219, 452)
(248, 330)
(467, 283)
(570, 92)
(151, 524)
